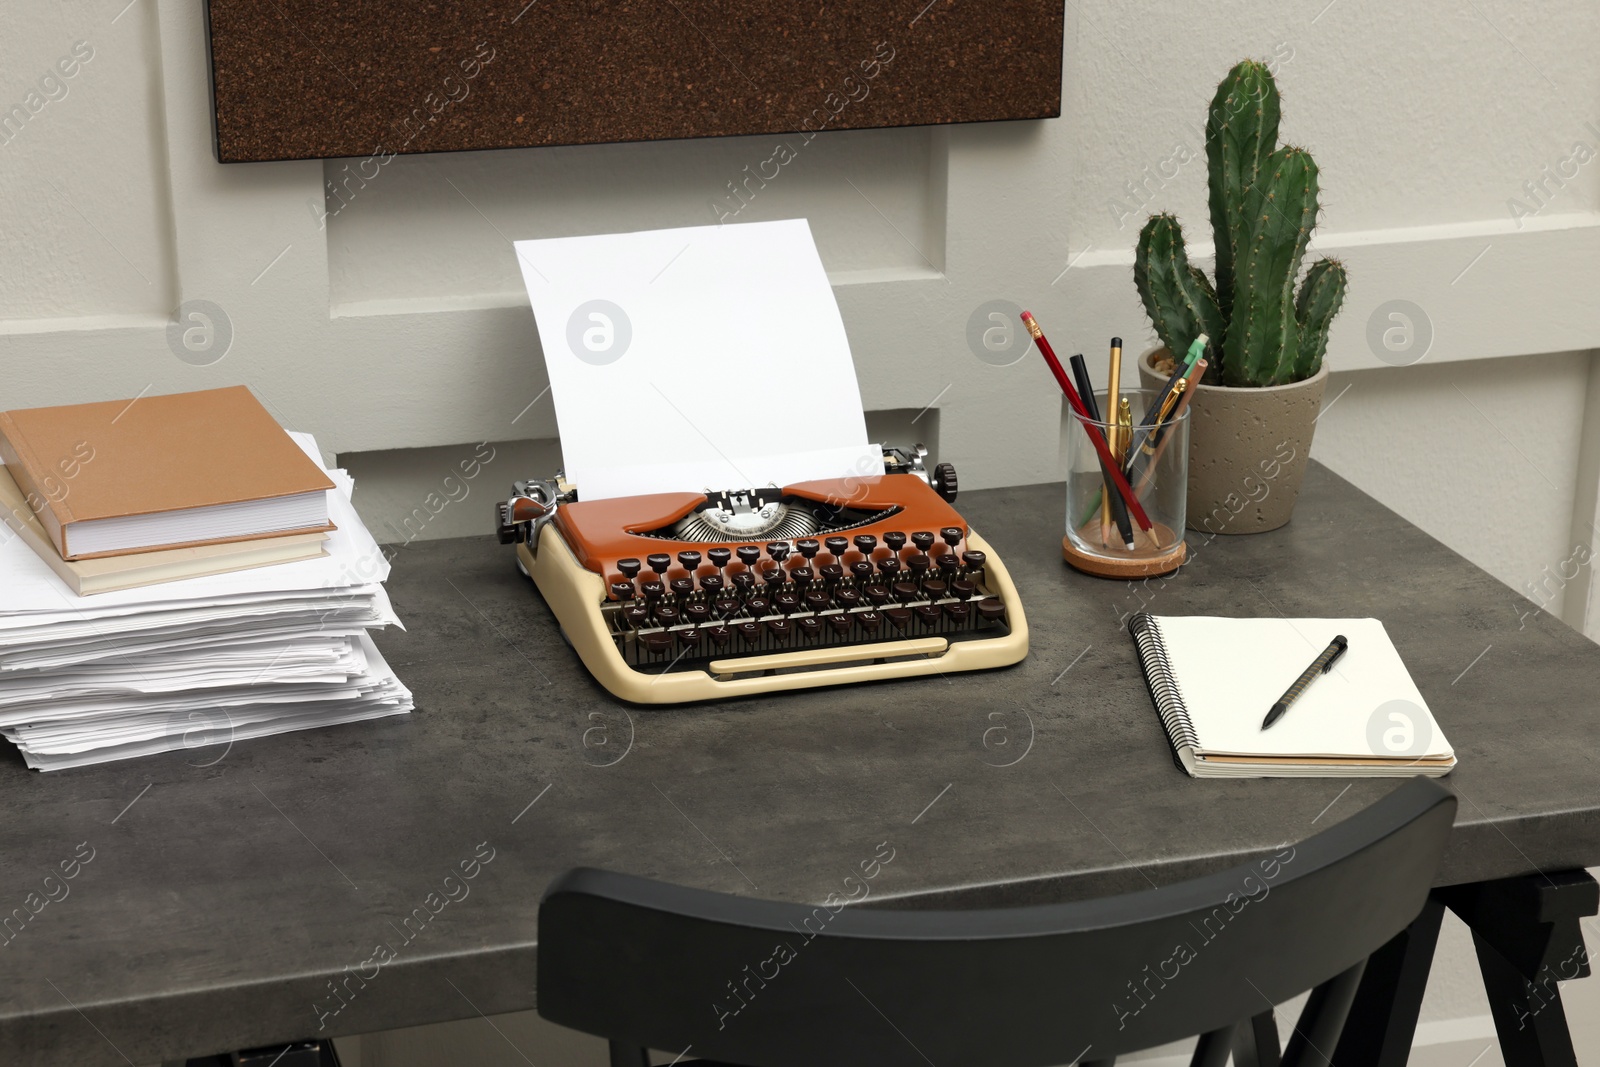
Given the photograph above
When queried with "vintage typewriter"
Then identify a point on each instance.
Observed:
(674, 597)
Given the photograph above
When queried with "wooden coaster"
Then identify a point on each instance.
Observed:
(1140, 564)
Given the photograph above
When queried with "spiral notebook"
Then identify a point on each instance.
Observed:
(1213, 680)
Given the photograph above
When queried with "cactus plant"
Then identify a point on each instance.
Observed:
(1263, 205)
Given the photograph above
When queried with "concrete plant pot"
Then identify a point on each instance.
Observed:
(1247, 450)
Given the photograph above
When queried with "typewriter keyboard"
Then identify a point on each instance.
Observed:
(811, 593)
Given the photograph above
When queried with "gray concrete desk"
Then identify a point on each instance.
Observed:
(222, 906)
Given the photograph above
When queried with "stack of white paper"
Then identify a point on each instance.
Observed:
(196, 663)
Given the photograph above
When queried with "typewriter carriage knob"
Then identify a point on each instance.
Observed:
(944, 481)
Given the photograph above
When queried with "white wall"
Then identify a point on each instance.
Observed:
(391, 322)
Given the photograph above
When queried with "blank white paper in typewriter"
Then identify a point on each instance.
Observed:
(659, 345)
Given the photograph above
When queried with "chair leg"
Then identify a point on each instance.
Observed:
(1383, 1019)
(1213, 1049)
(1317, 1033)
(626, 1055)
(1255, 1042)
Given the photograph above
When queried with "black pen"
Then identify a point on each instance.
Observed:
(1321, 665)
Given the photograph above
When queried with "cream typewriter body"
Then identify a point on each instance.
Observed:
(677, 597)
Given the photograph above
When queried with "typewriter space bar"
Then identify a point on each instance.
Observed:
(816, 657)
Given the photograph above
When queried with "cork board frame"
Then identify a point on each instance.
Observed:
(314, 79)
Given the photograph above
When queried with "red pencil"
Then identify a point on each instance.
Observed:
(1095, 437)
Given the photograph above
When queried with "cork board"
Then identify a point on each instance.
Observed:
(316, 79)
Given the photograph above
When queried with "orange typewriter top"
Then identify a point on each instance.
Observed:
(601, 532)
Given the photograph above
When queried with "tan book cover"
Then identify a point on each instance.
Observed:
(83, 463)
(90, 576)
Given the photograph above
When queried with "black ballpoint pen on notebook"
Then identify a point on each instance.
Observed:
(1321, 665)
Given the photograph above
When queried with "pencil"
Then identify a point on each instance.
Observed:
(1095, 437)
(1113, 418)
(1119, 510)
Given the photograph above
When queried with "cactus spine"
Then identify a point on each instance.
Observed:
(1263, 203)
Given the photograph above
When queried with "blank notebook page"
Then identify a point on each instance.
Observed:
(1231, 671)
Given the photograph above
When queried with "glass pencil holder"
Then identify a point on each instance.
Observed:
(1106, 534)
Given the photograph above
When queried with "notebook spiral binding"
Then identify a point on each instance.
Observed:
(1164, 691)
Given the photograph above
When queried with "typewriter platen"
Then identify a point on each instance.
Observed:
(675, 597)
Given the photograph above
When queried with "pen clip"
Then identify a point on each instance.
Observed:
(1343, 643)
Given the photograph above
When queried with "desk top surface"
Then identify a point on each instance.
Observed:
(218, 907)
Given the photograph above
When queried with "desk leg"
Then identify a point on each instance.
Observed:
(1383, 1018)
(1528, 940)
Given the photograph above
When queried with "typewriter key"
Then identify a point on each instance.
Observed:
(719, 557)
(726, 606)
(837, 545)
(651, 588)
(622, 590)
(866, 543)
(957, 612)
(862, 569)
(757, 605)
(878, 593)
(780, 629)
(774, 576)
(809, 627)
(666, 615)
(952, 535)
(927, 615)
(786, 603)
(895, 540)
(974, 559)
(948, 563)
(682, 586)
(635, 616)
(816, 599)
(906, 592)
(991, 608)
(808, 547)
(962, 589)
(899, 618)
(696, 612)
(839, 623)
(933, 589)
(659, 562)
(919, 564)
(870, 621)
(688, 639)
(711, 583)
(717, 634)
(744, 581)
(831, 572)
(690, 561)
(749, 631)
(629, 568)
(923, 540)
(846, 598)
(889, 566)
(748, 554)
(657, 642)
(778, 550)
